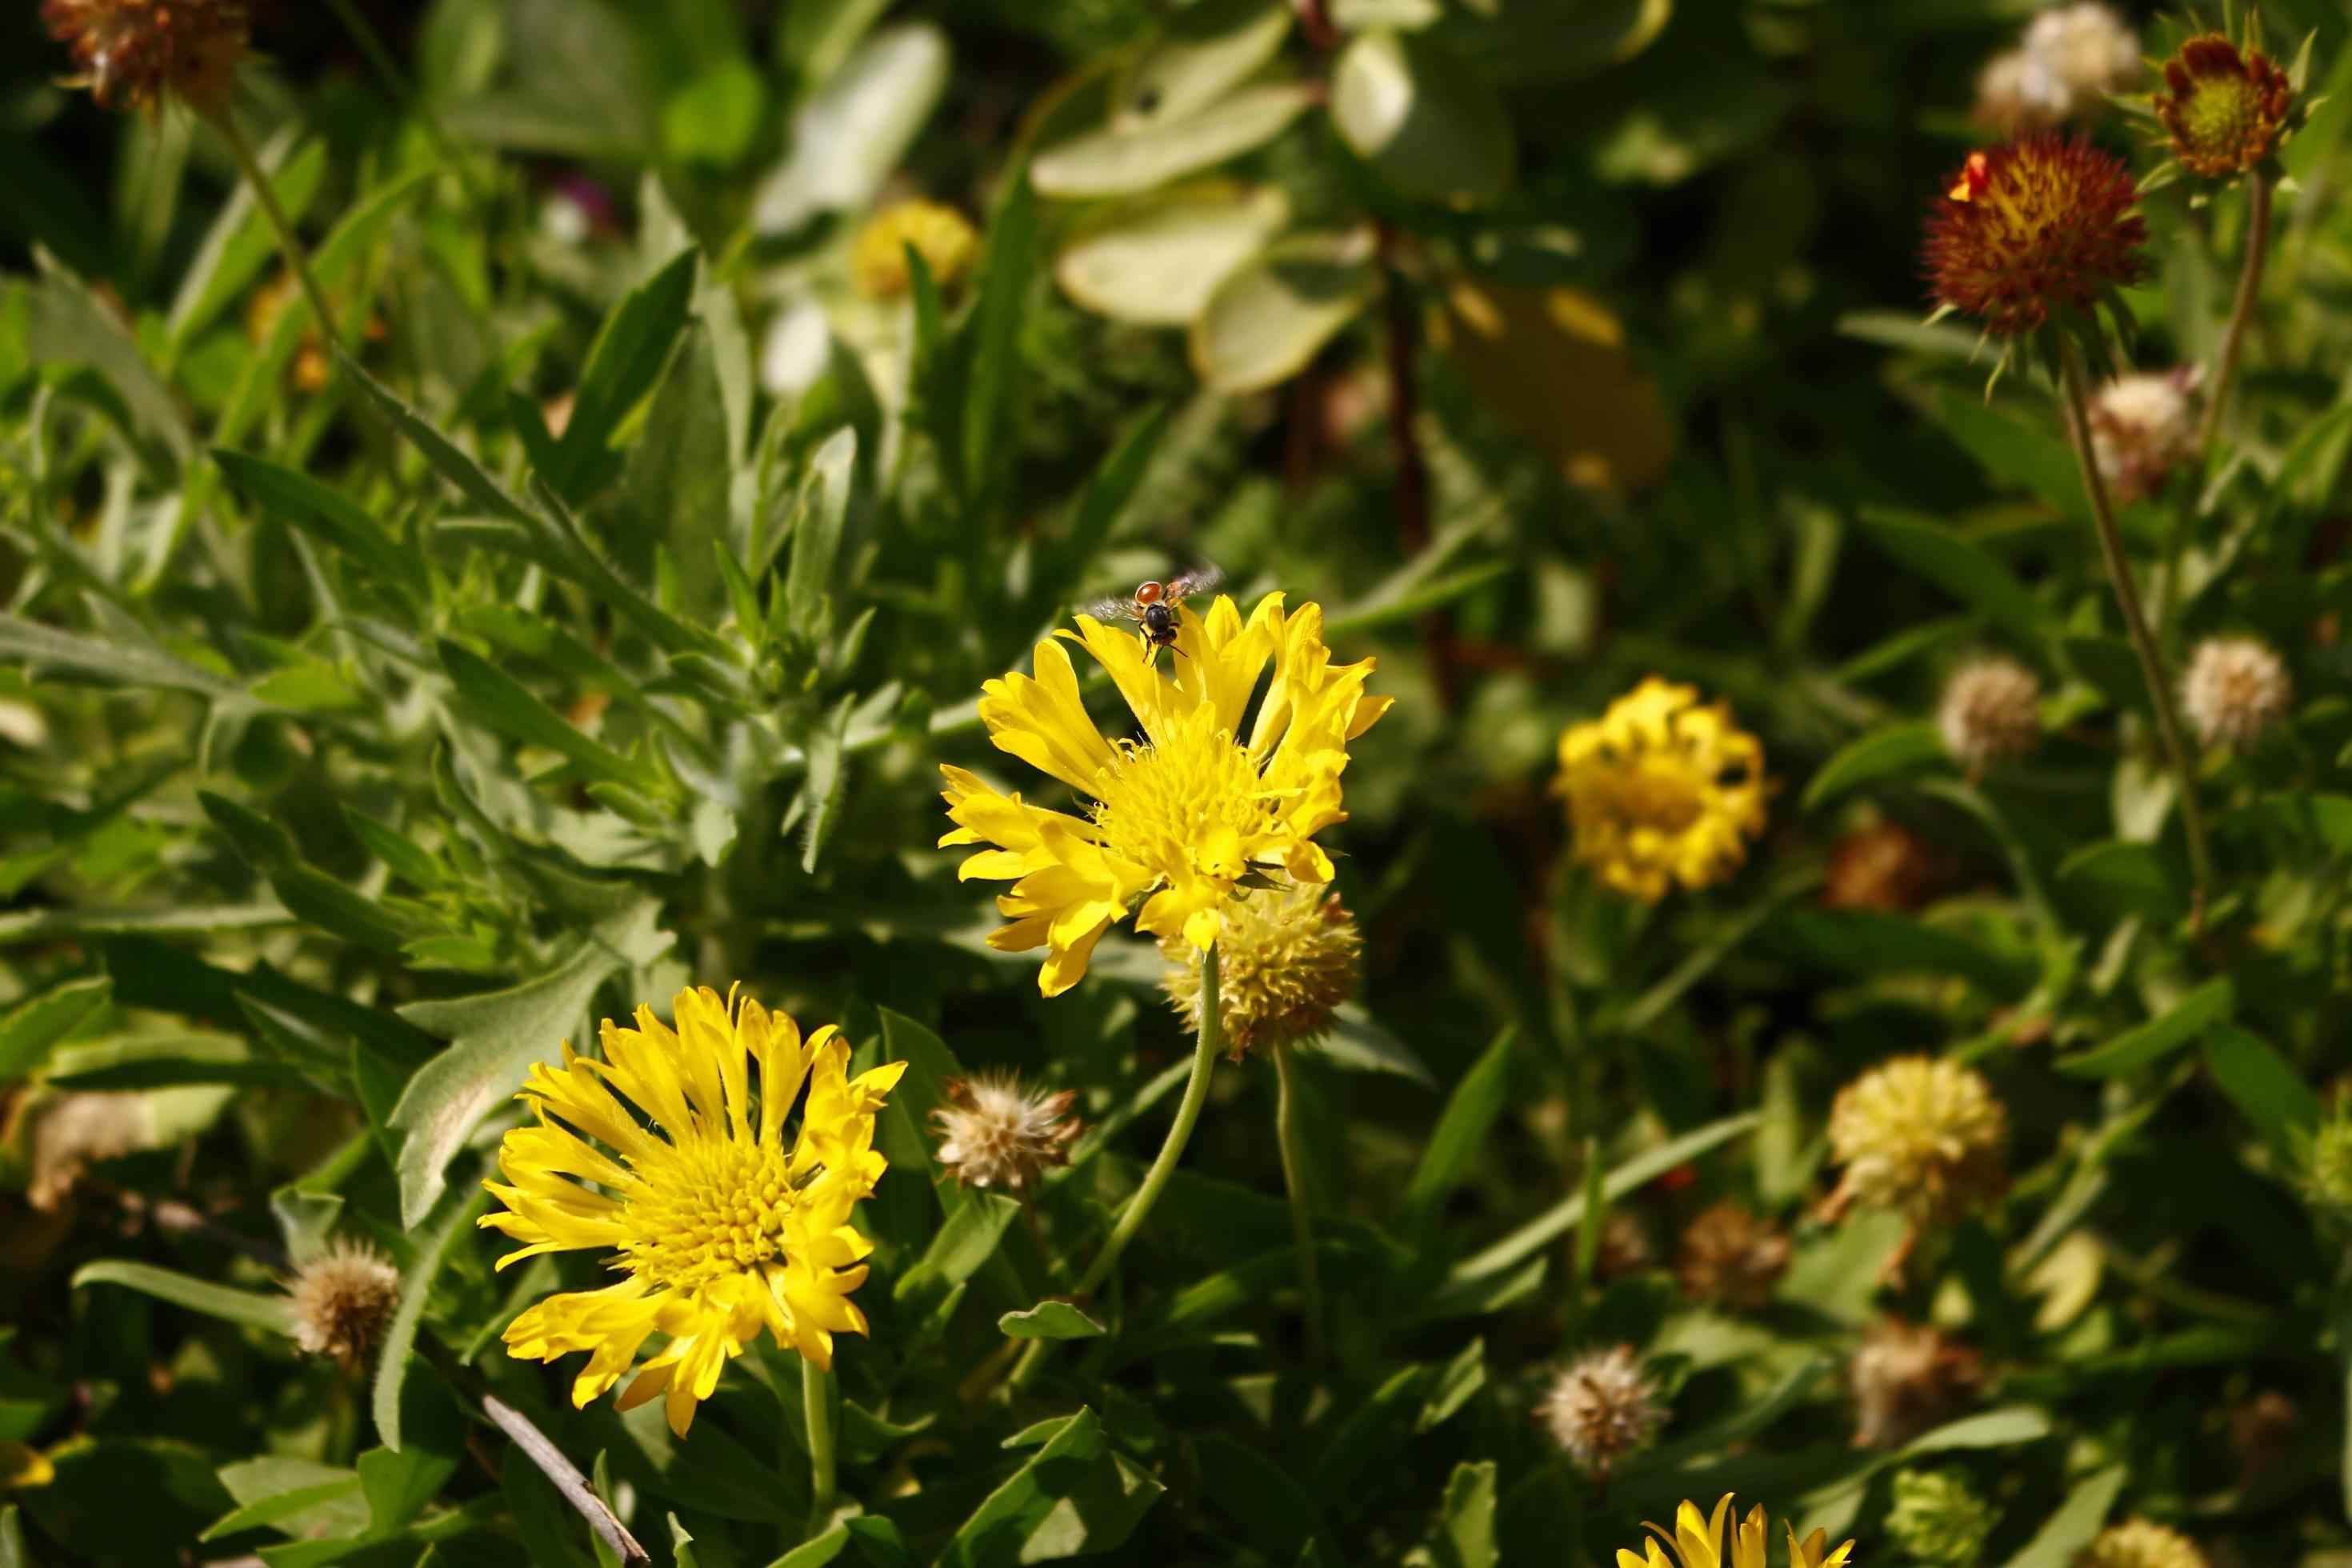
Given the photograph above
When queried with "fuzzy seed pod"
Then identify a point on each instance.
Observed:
(995, 1133)
(1603, 1407)
(1992, 712)
(2234, 691)
(2142, 427)
(1732, 1258)
(1286, 960)
(342, 1300)
(1906, 1379)
(2087, 52)
(1883, 866)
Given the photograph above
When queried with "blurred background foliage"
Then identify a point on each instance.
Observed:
(592, 621)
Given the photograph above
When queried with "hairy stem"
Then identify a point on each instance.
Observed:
(289, 244)
(1288, 1133)
(2151, 660)
(817, 1406)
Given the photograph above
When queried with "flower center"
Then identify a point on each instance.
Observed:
(1196, 806)
(1661, 791)
(710, 1207)
(2222, 116)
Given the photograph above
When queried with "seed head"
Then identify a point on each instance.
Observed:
(1731, 1257)
(1624, 1248)
(2034, 228)
(1938, 1520)
(2142, 425)
(2224, 111)
(2140, 1544)
(2016, 93)
(941, 236)
(342, 1300)
(1885, 866)
(1906, 1379)
(1920, 1135)
(1603, 1407)
(996, 1134)
(133, 53)
(71, 1131)
(2235, 692)
(2086, 51)
(1286, 960)
(1992, 712)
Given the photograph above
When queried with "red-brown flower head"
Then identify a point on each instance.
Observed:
(2224, 109)
(2034, 228)
(133, 53)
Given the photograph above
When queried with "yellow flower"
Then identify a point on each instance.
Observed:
(720, 1225)
(1661, 790)
(1697, 1542)
(1919, 1135)
(1211, 792)
(941, 236)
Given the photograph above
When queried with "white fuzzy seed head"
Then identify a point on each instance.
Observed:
(2017, 94)
(1907, 1377)
(2142, 426)
(1602, 1407)
(2087, 48)
(995, 1133)
(2235, 692)
(342, 1300)
(1992, 712)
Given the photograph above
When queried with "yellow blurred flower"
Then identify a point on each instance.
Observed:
(1918, 1134)
(719, 1224)
(2140, 1544)
(22, 1465)
(1212, 790)
(1697, 1542)
(1661, 790)
(941, 236)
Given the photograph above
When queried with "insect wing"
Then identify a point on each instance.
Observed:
(1111, 610)
(1203, 580)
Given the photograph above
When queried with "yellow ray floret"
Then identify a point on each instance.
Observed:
(1697, 1542)
(1177, 814)
(670, 1154)
(1662, 790)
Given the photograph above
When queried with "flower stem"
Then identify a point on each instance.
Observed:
(1288, 1132)
(817, 1406)
(1155, 1181)
(2225, 371)
(289, 244)
(2151, 660)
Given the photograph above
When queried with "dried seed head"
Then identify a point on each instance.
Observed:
(2034, 228)
(1286, 961)
(1603, 1407)
(1731, 1257)
(1920, 1135)
(1937, 1519)
(996, 1134)
(1624, 1246)
(73, 1130)
(1883, 866)
(2142, 426)
(133, 53)
(2140, 1544)
(941, 236)
(1992, 712)
(2087, 52)
(1906, 1379)
(342, 1300)
(2017, 93)
(2235, 692)
(2223, 111)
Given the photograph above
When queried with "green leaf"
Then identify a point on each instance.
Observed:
(626, 359)
(1361, 1043)
(1634, 1174)
(1461, 1132)
(1465, 1528)
(1960, 567)
(853, 131)
(325, 514)
(2325, 820)
(241, 241)
(1271, 317)
(309, 893)
(816, 538)
(511, 709)
(2018, 449)
(1274, 1511)
(1988, 1429)
(251, 1308)
(1157, 259)
(161, 1061)
(961, 1246)
(1895, 748)
(1409, 107)
(828, 777)
(1075, 1496)
(1203, 52)
(1049, 1321)
(29, 1029)
(2182, 1022)
(392, 1401)
(2127, 879)
(493, 1039)
(992, 333)
(2078, 1519)
(295, 1497)
(2261, 1083)
(1111, 162)
(462, 473)
(48, 652)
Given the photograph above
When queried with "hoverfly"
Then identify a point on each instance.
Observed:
(1152, 606)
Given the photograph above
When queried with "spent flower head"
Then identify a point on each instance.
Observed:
(1919, 1135)
(1217, 790)
(1697, 1542)
(719, 1224)
(1990, 712)
(134, 54)
(1662, 790)
(1287, 960)
(1731, 1257)
(2224, 109)
(2235, 692)
(2034, 230)
(1937, 1519)
(2140, 1544)
(342, 1298)
(1885, 866)
(2143, 426)
(941, 235)
(2086, 51)
(1906, 1378)
(995, 1133)
(1602, 1407)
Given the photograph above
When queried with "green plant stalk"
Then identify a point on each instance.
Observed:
(816, 1407)
(1289, 1133)
(1155, 1181)
(289, 244)
(2151, 660)
(2225, 371)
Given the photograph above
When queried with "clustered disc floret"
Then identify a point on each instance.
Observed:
(2140, 1544)
(1990, 712)
(134, 54)
(995, 1133)
(2223, 111)
(2034, 229)
(1602, 1407)
(1287, 960)
(343, 1297)
(2235, 690)
(1938, 1517)
(1662, 790)
(1920, 1135)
